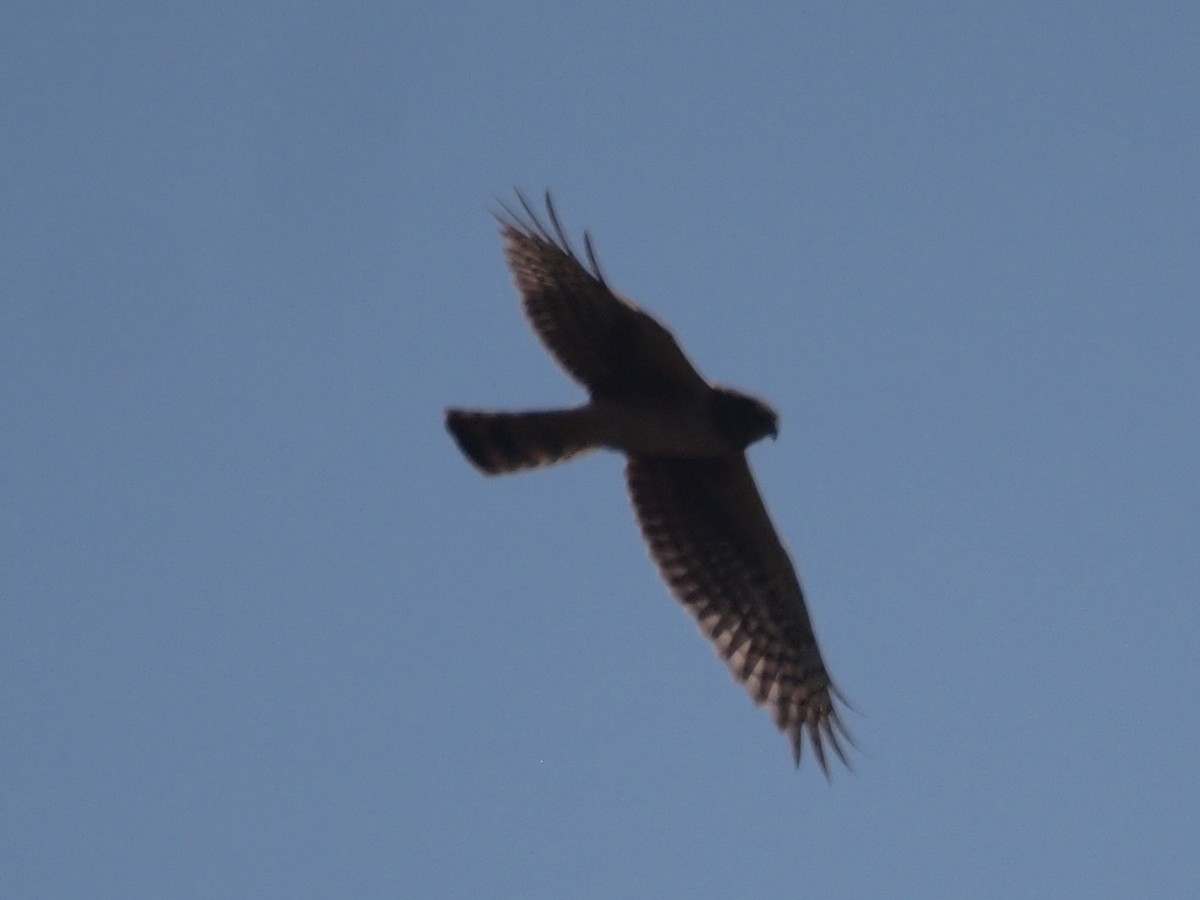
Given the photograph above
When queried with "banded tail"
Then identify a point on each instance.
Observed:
(508, 442)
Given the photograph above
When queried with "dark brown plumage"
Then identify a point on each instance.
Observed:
(695, 499)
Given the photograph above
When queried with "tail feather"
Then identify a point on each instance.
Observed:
(509, 442)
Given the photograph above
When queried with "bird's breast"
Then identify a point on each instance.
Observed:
(661, 426)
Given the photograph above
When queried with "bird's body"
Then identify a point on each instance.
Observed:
(696, 502)
(675, 425)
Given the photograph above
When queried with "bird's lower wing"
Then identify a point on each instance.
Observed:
(715, 545)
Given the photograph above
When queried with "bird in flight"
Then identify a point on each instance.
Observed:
(684, 439)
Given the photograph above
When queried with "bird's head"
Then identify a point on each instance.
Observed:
(743, 419)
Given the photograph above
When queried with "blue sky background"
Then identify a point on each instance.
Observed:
(264, 633)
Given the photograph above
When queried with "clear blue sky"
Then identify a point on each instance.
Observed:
(264, 633)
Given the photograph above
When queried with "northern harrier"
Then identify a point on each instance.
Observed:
(695, 499)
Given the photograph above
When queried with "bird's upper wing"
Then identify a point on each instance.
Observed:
(709, 533)
(603, 341)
